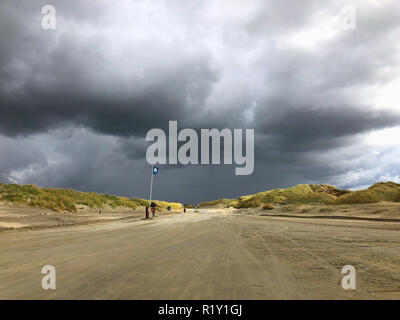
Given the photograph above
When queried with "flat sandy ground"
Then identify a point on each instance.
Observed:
(31, 218)
(211, 254)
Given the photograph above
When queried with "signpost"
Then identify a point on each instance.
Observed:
(154, 171)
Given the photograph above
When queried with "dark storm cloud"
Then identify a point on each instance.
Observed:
(39, 109)
(52, 80)
(300, 126)
(86, 94)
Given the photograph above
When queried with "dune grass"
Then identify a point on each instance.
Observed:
(300, 194)
(381, 191)
(67, 200)
(61, 200)
(223, 201)
(268, 206)
(312, 194)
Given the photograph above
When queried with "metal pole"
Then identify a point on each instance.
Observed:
(151, 184)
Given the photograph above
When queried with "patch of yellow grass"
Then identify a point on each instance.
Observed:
(311, 194)
(61, 200)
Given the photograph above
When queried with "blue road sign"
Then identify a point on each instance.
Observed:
(155, 170)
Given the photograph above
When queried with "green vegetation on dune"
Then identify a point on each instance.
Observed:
(300, 194)
(223, 201)
(381, 191)
(315, 194)
(268, 206)
(165, 204)
(61, 200)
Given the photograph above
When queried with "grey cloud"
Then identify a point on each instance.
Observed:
(18, 155)
(299, 125)
(51, 81)
(83, 97)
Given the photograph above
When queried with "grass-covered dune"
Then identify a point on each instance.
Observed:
(381, 191)
(314, 194)
(62, 200)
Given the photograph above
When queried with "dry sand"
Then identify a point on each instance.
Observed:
(30, 218)
(212, 254)
(382, 211)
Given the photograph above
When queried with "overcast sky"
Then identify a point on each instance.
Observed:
(76, 102)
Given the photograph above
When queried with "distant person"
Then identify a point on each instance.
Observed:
(153, 206)
(184, 210)
(99, 210)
